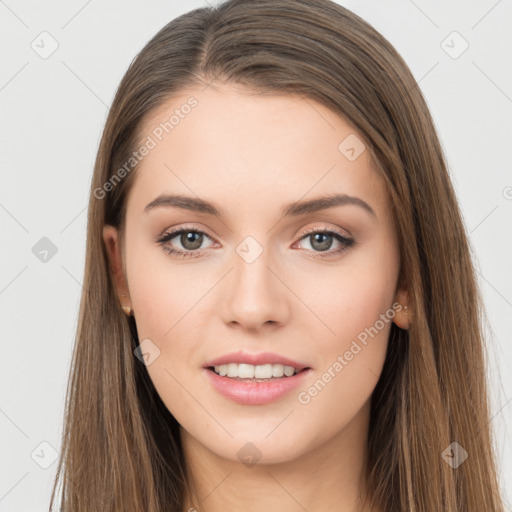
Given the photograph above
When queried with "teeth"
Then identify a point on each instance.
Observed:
(232, 369)
(278, 370)
(249, 371)
(246, 371)
(264, 371)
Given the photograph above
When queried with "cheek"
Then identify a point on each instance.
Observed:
(162, 290)
(357, 308)
(350, 368)
(353, 298)
(166, 300)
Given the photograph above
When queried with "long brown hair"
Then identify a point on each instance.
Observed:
(121, 447)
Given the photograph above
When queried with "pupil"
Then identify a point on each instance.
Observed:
(188, 238)
(325, 245)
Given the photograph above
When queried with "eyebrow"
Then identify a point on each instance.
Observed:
(291, 210)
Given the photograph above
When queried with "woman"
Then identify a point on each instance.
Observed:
(279, 306)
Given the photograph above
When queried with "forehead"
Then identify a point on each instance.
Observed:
(239, 146)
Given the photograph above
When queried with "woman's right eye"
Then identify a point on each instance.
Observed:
(190, 239)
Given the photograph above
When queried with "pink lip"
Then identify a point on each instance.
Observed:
(252, 392)
(254, 359)
(255, 393)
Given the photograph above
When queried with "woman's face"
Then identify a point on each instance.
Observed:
(257, 281)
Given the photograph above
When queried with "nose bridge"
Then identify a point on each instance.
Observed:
(254, 295)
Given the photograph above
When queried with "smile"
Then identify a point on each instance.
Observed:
(255, 391)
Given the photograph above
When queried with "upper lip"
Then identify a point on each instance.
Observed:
(255, 359)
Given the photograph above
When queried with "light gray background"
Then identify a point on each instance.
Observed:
(53, 111)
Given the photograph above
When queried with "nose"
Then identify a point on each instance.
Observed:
(254, 293)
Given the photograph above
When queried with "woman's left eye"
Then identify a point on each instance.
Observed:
(322, 239)
(192, 239)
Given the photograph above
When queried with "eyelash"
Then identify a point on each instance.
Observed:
(345, 241)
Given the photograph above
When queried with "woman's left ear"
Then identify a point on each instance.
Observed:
(403, 313)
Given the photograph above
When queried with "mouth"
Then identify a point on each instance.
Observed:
(255, 379)
(256, 373)
(262, 384)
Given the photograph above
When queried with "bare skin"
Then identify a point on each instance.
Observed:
(251, 155)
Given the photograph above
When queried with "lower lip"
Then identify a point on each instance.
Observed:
(255, 393)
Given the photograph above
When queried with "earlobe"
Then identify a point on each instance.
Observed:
(112, 245)
(403, 313)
